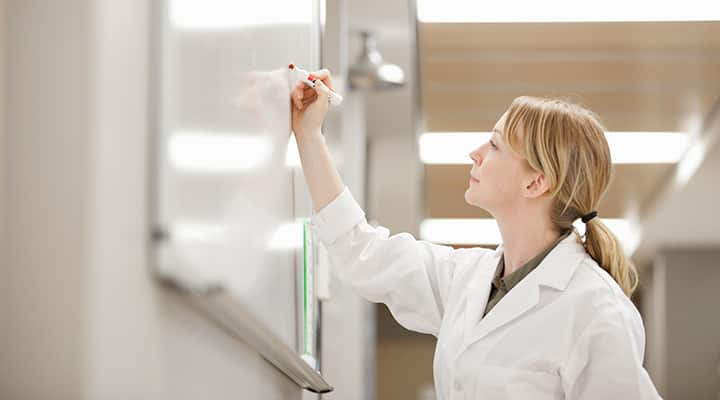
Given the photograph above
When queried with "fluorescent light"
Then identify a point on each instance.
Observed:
(460, 231)
(691, 161)
(233, 14)
(213, 152)
(566, 11)
(485, 231)
(450, 147)
(629, 233)
(646, 147)
(625, 147)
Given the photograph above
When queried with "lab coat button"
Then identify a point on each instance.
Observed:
(457, 386)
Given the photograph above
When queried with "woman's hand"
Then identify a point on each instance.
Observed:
(310, 105)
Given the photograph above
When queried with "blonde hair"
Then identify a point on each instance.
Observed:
(566, 143)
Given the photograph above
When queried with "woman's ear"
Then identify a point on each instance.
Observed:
(536, 186)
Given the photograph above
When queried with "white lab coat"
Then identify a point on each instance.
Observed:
(566, 331)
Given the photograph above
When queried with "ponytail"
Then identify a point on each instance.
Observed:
(566, 142)
(605, 248)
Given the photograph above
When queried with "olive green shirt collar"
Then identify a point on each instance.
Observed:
(502, 285)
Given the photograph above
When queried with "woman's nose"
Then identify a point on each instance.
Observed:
(476, 156)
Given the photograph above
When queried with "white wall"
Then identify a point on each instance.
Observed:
(348, 321)
(46, 198)
(348, 329)
(392, 117)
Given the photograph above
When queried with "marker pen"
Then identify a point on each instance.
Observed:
(311, 80)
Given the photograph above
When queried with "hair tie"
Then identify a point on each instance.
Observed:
(587, 217)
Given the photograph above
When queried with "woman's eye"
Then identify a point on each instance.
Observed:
(493, 145)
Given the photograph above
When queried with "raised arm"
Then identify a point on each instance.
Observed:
(309, 108)
(412, 277)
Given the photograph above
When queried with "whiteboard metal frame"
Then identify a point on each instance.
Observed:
(230, 315)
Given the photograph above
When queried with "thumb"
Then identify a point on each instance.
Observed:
(322, 90)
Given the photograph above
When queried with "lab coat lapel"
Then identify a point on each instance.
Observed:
(478, 291)
(554, 271)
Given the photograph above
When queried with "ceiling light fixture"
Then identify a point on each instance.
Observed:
(625, 147)
(469, 11)
(485, 231)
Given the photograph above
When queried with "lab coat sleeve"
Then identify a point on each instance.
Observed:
(606, 360)
(412, 277)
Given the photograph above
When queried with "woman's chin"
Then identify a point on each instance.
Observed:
(469, 199)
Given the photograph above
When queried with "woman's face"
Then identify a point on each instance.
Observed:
(497, 175)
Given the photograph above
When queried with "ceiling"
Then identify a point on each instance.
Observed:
(638, 76)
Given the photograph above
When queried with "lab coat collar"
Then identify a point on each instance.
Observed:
(564, 253)
(554, 271)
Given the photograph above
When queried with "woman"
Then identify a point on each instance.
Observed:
(544, 316)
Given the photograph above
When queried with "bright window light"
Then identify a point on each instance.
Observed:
(197, 232)
(212, 152)
(233, 14)
(292, 154)
(567, 11)
(485, 231)
(287, 236)
(625, 147)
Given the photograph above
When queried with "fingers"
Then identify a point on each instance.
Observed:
(310, 99)
(307, 100)
(308, 91)
(301, 99)
(298, 94)
(324, 76)
(322, 73)
(303, 95)
(323, 91)
(301, 91)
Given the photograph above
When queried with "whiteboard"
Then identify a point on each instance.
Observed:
(228, 192)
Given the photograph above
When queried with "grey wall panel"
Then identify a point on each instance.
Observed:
(693, 323)
(3, 163)
(684, 329)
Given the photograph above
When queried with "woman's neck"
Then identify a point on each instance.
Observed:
(524, 237)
